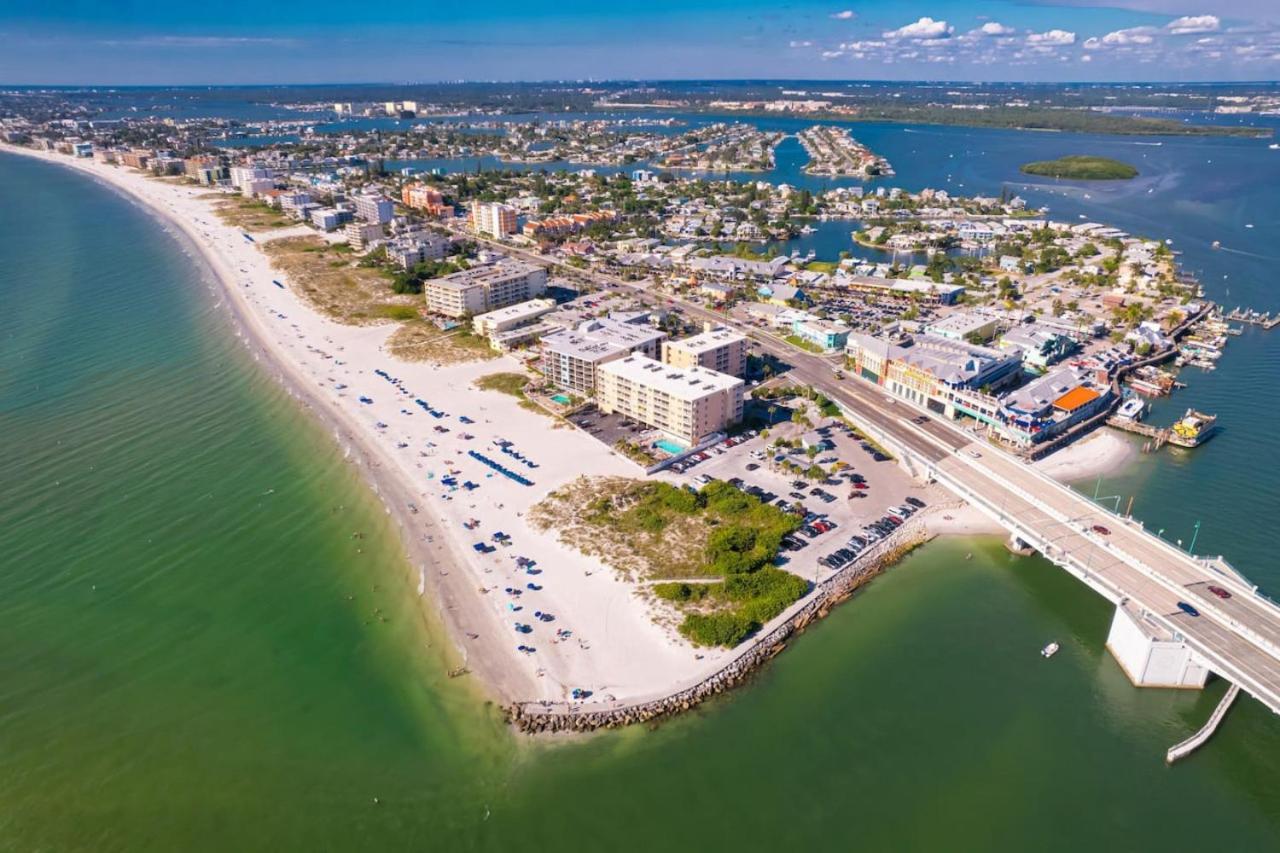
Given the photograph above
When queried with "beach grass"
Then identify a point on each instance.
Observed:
(418, 340)
(247, 213)
(325, 275)
(515, 384)
(715, 548)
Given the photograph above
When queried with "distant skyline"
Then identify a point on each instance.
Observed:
(148, 42)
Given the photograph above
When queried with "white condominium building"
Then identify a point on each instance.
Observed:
(497, 220)
(688, 404)
(570, 358)
(718, 349)
(376, 209)
(484, 288)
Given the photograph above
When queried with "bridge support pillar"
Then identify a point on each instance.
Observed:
(1017, 546)
(1150, 654)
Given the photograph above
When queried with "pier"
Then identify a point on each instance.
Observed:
(1191, 744)
(1253, 318)
(1159, 435)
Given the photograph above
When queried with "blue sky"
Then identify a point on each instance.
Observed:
(151, 42)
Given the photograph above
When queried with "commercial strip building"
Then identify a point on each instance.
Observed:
(955, 379)
(484, 288)
(687, 404)
(964, 326)
(908, 289)
(571, 358)
(821, 333)
(719, 349)
(515, 324)
(494, 219)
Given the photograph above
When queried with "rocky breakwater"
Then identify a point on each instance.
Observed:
(562, 718)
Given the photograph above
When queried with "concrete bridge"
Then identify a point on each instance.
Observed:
(1156, 642)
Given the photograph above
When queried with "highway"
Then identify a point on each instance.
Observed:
(1238, 638)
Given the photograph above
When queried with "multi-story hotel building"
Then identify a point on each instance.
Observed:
(484, 288)
(497, 220)
(718, 349)
(376, 209)
(687, 404)
(571, 358)
(427, 200)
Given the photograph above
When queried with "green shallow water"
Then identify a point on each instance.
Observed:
(193, 652)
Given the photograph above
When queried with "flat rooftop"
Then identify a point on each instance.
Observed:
(683, 383)
(520, 310)
(593, 339)
(707, 341)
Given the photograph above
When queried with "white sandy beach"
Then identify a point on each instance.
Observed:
(616, 649)
(1102, 453)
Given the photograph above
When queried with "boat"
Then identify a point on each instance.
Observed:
(1049, 650)
(1193, 429)
(1132, 409)
(1275, 146)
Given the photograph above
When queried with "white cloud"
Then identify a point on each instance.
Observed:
(1051, 38)
(846, 15)
(801, 44)
(1086, 58)
(832, 54)
(995, 28)
(925, 28)
(1133, 35)
(1189, 24)
(862, 45)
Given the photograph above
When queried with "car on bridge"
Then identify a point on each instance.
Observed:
(1188, 609)
(1220, 592)
(1100, 530)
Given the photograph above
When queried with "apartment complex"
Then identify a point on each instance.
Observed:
(375, 209)
(497, 220)
(484, 288)
(571, 358)
(687, 404)
(719, 349)
(514, 325)
(423, 198)
(408, 250)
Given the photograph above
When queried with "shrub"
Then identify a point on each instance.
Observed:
(717, 629)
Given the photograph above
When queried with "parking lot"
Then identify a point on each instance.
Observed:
(858, 494)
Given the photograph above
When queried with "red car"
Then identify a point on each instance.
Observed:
(1220, 592)
(1100, 530)
(861, 486)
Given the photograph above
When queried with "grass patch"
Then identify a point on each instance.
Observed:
(247, 213)
(419, 340)
(809, 346)
(515, 384)
(1081, 167)
(828, 267)
(653, 530)
(330, 281)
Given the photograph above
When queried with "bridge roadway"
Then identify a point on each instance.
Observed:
(1237, 638)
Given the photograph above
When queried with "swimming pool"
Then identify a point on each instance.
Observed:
(562, 399)
(669, 446)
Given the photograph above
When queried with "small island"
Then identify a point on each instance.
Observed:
(1081, 167)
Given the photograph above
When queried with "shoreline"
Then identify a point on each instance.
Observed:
(662, 676)
(388, 488)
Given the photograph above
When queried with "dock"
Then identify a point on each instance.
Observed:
(1253, 318)
(1191, 744)
(1158, 434)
